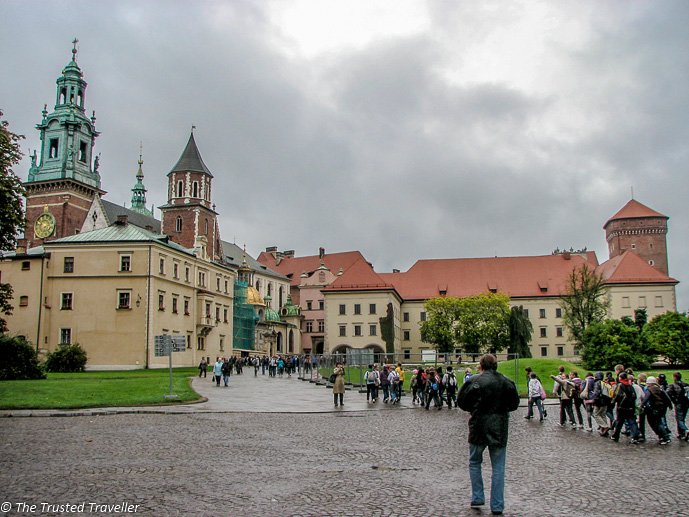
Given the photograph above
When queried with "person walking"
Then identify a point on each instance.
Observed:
(536, 396)
(400, 382)
(385, 383)
(658, 402)
(450, 383)
(433, 389)
(565, 393)
(587, 397)
(625, 398)
(490, 397)
(339, 384)
(203, 367)
(226, 371)
(678, 392)
(371, 379)
(394, 379)
(217, 371)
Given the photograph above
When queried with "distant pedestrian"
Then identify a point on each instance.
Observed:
(678, 392)
(536, 396)
(203, 367)
(433, 389)
(489, 397)
(339, 384)
(226, 372)
(658, 402)
(217, 371)
(450, 383)
(371, 380)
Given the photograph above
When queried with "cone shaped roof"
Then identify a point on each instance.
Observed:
(191, 160)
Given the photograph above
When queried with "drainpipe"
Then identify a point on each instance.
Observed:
(40, 306)
(148, 305)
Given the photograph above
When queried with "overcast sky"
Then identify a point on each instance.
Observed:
(404, 130)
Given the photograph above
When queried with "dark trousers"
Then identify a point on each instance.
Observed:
(566, 411)
(371, 392)
(656, 419)
(451, 396)
(341, 398)
(435, 396)
(625, 416)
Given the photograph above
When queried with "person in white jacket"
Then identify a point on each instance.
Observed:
(536, 392)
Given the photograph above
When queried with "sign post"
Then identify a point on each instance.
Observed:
(164, 346)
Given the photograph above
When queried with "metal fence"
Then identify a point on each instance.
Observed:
(318, 368)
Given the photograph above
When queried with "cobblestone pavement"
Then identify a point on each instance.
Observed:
(374, 463)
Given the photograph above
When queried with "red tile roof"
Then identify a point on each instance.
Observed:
(634, 209)
(359, 277)
(516, 276)
(293, 267)
(630, 268)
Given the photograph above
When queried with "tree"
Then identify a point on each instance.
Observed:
(11, 206)
(66, 358)
(614, 342)
(521, 331)
(584, 302)
(482, 323)
(668, 336)
(438, 329)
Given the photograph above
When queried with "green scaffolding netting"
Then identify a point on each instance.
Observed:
(243, 318)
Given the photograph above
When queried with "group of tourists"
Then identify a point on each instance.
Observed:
(432, 385)
(389, 380)
(618, 403)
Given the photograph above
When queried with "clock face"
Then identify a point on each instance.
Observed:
(45, 225)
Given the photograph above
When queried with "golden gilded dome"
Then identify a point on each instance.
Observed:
(253, 297)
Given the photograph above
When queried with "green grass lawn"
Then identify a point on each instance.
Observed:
(98, 389)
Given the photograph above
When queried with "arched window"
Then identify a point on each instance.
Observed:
(180, 188)
(195, 189)
(258, 285)
(179, 223)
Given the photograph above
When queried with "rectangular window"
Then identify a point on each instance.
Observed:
(659, 301)
(66, 302)
(217, 284)
(407, 353)
(560, 351)
(343, 309)
(186, 274)
(161, 302)
(372, 308)
(343, 330)
(357, 308)
(125, 263)
(54, 145)
(406, 335)
(82, 152)
(175, 270)
(23, 301)
(202, 279)
(321, 326)
(217, 314)
(309, 327)
(26, 265)
(405, 316)
(558, 312)
(372, 330)
(321, 304)
(124, 300)
(544, 332)
(69, 265)
(174, 304)
(224, 316)
(162, 266)
(186, 307)
(558, 331)
(65, 336)
(309, 305)
(642, 302)
(357, 330)
(200, 343)
(544, 351)
(541, 313)
(222, 344)
(625, 302)
(226, 285)
(423, 316)
(526, 312)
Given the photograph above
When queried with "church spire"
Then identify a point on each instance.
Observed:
(139, 191)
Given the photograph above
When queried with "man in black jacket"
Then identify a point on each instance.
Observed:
(677, 393)
(489, 397)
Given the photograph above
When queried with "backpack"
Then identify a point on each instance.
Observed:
(607, 390)
(451, 379)
(680, 397)
(414, 381)
(576, 390)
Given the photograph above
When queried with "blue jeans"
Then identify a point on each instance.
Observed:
(681, 416)
(497, 484)
(386, 392)
(539, 405)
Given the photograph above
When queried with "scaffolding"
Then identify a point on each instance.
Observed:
(243, 318)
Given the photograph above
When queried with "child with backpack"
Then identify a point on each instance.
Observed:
(450, 383)
(679, 394)
(433, 389)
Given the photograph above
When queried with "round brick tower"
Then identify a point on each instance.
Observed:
(639, 229)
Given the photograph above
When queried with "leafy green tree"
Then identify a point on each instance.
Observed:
(584, 302)
(438, 329)
(18, 359)
(668, 336)
(11, 206)
(482, 323)
(66, 358)
(612, 342)
(521, 331)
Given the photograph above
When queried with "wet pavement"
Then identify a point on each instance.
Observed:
(278, 447)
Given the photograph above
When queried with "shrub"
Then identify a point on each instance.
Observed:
(18, 359)
(615, 342)
(66, 358)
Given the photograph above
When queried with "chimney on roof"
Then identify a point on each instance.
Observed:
(321, 252)
(567, 255)
(288, 254)
(122, 219)
(273, 250)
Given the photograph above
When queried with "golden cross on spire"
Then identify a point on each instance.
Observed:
(74, 50)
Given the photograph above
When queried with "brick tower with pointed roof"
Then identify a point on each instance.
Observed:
(639, 229)
(189, 213)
